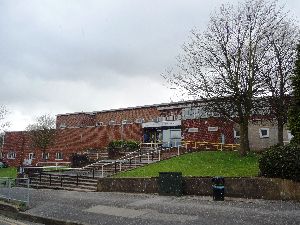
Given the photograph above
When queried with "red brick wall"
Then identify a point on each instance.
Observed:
(18, 142)
(75, 120)
(68, 141)
(86, 119)
(203, 134)
(128, 114)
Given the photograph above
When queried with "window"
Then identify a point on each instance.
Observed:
(31, 156)
(45, 155)
(58, 156)
(98, 124)
(289, 135)
(62, 126)
(141, 120)
(236, 134)
(112, 122)
(264, 132)
(11, 155)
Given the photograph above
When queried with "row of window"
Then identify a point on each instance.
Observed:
(263, 133)
(13, 154)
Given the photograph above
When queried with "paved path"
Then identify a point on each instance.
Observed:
(8, 221)
(125, 209)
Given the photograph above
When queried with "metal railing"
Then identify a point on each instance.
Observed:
(133, 158)
(56, 164)
(8, 186)
(132, 161)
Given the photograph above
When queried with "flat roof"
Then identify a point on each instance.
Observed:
(130, 108)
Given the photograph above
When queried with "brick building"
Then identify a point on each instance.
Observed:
(169, 124)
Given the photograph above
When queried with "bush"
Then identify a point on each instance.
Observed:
(79, 160)
(281, 162)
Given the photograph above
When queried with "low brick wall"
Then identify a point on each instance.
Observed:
(256, 187)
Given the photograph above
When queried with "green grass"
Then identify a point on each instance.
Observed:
(8, 172)
(227, 164)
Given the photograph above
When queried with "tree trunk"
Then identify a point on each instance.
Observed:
(244, 140)
(280, 131)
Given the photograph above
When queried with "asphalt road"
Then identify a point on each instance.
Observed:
(122, 208)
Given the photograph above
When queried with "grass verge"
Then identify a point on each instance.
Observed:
(227, 164)
(8, 172)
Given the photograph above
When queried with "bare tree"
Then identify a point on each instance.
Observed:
(224, 65)
(4, 124)
(283, 51)
(42, 132)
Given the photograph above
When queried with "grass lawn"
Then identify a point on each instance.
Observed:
(8, 172)
(228, 164)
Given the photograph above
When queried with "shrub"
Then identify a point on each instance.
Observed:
(281, 162)
(79, 160)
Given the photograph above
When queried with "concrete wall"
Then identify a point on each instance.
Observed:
(256, 188)
(258, 143)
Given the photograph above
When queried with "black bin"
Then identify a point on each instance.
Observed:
(218, 188)
(170, 183)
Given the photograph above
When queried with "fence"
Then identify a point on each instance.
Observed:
(15, 189)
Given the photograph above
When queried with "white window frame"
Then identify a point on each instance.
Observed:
(235, 134)
(59, 156)
(45, 154)
(264, 136)
(289, 135)
(139, 120)
(32, 154)
(11, 155)
(99, 124)
(112, 122)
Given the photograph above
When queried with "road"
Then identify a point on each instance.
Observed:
(125, 208)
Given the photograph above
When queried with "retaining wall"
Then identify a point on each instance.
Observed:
(256, 187)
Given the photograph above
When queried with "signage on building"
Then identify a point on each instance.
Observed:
(193, 130)
(162, 124)
(213, 129)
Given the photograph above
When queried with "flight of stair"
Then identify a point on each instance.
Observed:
(85, 179)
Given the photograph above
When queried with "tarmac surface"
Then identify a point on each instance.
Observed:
(125, 208)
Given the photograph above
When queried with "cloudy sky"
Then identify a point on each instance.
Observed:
(61, 56)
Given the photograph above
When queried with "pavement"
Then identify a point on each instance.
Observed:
(71, 207)
(8, 221)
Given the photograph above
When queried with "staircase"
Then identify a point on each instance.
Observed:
(85, 179)
(140, 157)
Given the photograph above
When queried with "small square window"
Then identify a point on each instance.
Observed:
(58, 156)
(31, 155)
(290, 136)
(236, 134)
(264, 132)
(45, 155)
(11, 155)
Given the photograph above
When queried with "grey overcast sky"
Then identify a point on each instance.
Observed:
(61, 56)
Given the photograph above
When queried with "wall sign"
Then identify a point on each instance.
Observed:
(193, 130)
(212, 129)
